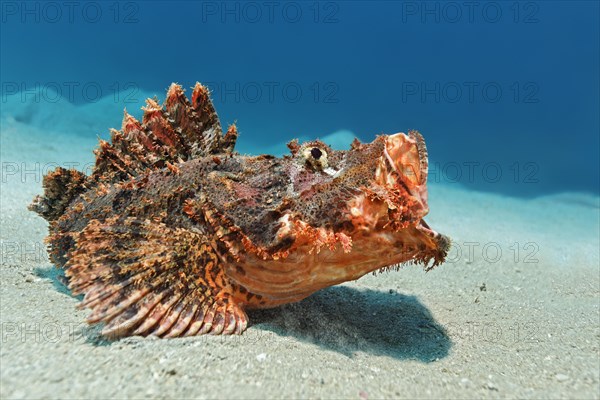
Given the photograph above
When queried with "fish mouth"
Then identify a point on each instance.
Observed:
(439, 243)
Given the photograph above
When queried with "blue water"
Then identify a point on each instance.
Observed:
(505, 93)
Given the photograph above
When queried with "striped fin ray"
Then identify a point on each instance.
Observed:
(143, 278)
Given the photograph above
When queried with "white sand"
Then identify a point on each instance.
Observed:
(474, 327)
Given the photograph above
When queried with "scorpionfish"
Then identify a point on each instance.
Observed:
(176, 234)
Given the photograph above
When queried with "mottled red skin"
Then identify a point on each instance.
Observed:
(176, 234)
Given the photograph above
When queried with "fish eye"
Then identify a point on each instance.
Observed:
(315, 157)
(316, 153)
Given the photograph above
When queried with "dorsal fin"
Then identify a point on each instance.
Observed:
(179, 130)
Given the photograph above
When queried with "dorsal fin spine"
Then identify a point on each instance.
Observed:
(179, 130)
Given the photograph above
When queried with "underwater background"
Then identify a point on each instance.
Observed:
(506, 93)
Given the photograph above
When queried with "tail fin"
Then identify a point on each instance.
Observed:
(177, 131)
(60, 187)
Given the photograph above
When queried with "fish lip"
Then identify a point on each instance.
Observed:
(425, 228)
(406, 155)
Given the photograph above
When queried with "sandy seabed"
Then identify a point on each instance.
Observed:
(514, 313)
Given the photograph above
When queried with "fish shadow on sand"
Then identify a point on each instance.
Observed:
(60, 283)
(57, 277)
(348, 320)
